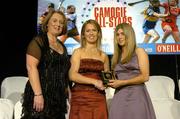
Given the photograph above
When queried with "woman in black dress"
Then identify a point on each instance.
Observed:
(47, 65)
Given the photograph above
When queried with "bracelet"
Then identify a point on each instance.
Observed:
(38, 94)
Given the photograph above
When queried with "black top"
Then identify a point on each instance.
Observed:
(53, 72)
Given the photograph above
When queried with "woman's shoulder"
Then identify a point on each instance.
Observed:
(103, 54)
(140, 51)
(77, 52)
(37, 39)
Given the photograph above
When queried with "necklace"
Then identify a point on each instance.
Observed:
(56, 46)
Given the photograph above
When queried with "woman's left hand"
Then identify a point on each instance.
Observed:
(115, 83)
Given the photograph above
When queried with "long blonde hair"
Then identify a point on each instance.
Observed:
(130, 44)
(95, 23)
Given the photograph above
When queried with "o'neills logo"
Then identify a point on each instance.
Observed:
(168, 48)
(111, 16)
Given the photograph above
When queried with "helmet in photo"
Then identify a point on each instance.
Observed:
(50, 5)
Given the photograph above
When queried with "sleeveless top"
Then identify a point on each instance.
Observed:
(86, 100)
(89, 68)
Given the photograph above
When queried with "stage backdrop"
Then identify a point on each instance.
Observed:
(109, 13)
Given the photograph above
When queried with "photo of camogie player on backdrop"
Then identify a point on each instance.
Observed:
(50, 6)
(147, 19)
(151, 17)
(169, 23)
(72, 30)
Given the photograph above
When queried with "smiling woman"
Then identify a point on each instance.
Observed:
(131, 68)
(87, 63)
(47, 64)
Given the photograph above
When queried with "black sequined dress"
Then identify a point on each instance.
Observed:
(53, 72)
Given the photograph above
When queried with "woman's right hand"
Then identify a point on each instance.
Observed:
(38, 103)
(99, 84)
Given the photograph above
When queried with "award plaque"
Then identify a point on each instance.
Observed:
(106, 76)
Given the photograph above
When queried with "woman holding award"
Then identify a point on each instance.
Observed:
(131, 67)
(88, 99)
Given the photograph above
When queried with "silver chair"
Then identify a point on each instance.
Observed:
(161, 90)
(13, 87)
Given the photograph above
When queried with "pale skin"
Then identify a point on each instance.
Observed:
(55, 26)
(143, 65)
(90, 51)
(151, 34)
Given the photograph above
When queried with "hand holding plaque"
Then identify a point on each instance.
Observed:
(106, 76)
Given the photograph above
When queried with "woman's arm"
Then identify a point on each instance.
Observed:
(33, 74)
(76, 77)
(143, 62)
(160, 15)
(106, 62)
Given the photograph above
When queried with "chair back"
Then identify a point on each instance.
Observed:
(13, 87)
(160, 87)
(6, 109)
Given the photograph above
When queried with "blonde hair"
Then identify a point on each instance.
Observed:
(95, 23)
(47, 18)
(130, 44)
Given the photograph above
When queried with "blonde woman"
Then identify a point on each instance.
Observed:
(88, 99)
(131, 66)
